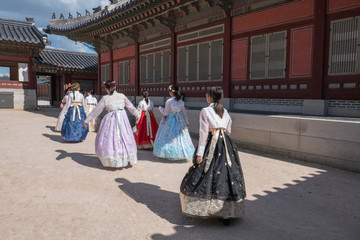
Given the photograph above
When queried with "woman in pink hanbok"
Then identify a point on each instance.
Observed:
(115, 143)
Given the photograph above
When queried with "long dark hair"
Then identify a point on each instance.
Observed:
(145, 95)
(217, 94)
(110, 84)
(175, 90)
(74, 88)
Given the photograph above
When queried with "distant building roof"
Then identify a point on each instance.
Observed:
(76, 23)
(14, 31)
(54, 58)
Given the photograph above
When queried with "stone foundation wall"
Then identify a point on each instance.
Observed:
(314, 107)
(23, 98)
(331, 142)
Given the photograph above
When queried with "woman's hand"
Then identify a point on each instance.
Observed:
(199, 159)
(85, 124)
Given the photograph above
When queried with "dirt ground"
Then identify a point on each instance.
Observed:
(55, 190)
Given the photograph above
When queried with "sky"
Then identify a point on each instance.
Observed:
(4, 72)
(42, 10)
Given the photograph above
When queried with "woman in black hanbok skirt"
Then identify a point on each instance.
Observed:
(214, 186)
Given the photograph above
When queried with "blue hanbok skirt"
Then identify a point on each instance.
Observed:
(173, 140)
(72, 129)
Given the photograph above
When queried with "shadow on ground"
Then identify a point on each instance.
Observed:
(52, 128)
(143, 156)
(55, 138)
(88, 160)
(47, 111)
(314, 207)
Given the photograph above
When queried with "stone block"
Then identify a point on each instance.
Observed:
(250, 136)
(266, 123)
(226, 103)
(315, 107)
(349, 112)
(158, 101)
(330, 148)
(268, 108)
(329, 129)
(284, 141)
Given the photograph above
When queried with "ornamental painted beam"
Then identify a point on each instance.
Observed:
(185, 10)
(196, 5)
(133, 33)
(226, 6)
(170, 20)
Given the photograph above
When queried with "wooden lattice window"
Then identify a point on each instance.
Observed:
(124, 78)
(105, 73)
(268, 56)
(155, 67)
(201, 62)
(345, 47)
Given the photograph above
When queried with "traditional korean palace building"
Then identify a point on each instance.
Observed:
(19, 43)
(65, 68)
(290, 56)
(23, 57)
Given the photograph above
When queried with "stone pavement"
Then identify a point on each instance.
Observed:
(55, 190)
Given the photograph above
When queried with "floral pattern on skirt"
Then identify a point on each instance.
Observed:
(172, 141)
(116, 147)
(218, 192)
(72, 128)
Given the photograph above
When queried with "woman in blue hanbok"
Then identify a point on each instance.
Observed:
(72, 129)
(173, 140)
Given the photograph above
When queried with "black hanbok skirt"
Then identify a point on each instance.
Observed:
(220, 191)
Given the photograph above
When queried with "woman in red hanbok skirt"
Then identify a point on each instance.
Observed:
(147, 126)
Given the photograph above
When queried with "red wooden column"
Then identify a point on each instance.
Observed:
(98, 85)
(317, 82)
(173, 58)
(227, 58)
(111, 65)
(137, 68)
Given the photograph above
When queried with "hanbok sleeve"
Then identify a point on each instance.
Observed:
(84, 102)
(96, 101)
(64, 100)
(67, 104)
(183, 112)
(228, 128)
(139, 108)
(203, 133)
(97, 111)
(131, 108)
(165, 111)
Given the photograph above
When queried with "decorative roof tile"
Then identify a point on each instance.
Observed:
(66, 59)
(20, 32)
(76, 23)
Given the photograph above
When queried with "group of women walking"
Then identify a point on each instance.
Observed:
(213, 186)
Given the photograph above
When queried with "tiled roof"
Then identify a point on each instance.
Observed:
(20, 32)
(66, 59)
(74, 24)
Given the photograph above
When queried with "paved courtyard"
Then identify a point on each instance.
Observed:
(55, 190)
